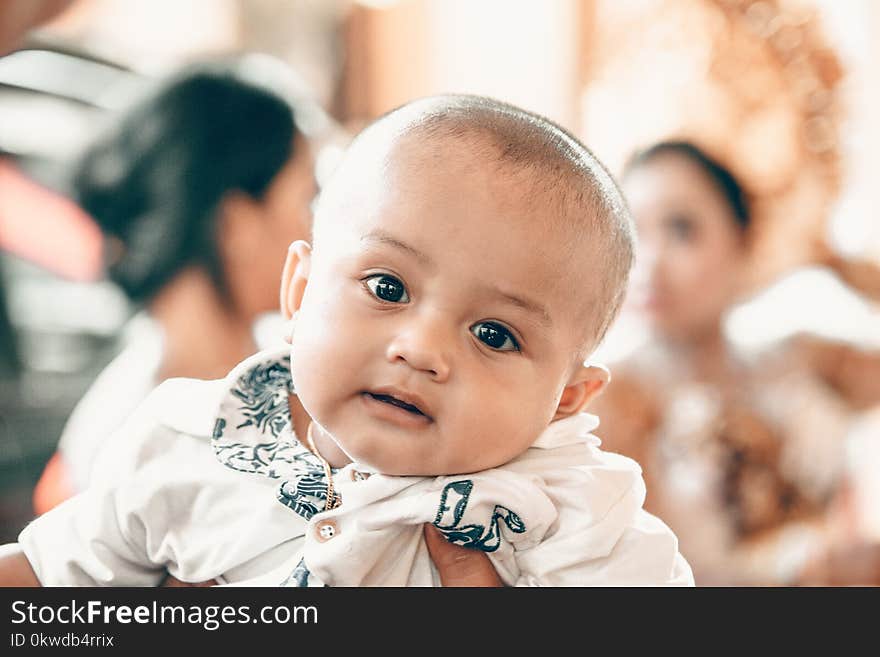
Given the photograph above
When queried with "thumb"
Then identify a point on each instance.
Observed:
(459, 566)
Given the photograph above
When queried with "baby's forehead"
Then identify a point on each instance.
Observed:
(471, 146)
(547, 198)
(412, 169)
(472, 170)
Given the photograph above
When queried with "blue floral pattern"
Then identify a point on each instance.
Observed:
(453, 503)
(306, 494)
(263, 393)
(264, 443)
(299, 577)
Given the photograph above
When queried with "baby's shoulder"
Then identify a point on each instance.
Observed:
(187, 406)
(178, 415)
(605, 476)
(583, 474)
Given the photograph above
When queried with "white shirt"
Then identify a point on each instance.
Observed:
(114, 395)
(212, 483)
(123, 385)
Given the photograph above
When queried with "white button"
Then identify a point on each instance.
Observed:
(325, 530)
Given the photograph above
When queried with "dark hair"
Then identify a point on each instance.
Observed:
(721, 177)
(155, 180)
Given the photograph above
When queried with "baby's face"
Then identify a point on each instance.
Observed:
(442, 319)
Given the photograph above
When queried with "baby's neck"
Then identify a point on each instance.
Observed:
(326, 446)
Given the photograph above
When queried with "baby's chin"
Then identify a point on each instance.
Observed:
(399, 467)
(381, 462)
(424, 456)
(392, 467)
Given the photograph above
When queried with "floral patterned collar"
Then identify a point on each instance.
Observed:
(253, 432)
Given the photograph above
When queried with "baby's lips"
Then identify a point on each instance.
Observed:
(403, 396)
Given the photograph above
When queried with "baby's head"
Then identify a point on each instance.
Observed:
(468, 257)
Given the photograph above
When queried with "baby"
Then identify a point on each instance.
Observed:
(467, 258)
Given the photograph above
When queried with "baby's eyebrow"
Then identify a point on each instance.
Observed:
(526, 304)
(383, 237)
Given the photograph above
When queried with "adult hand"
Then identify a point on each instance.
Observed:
(15, 569)
(172, 582)
(459, 566)
(19, 16)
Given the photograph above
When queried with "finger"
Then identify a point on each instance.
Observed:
(459, 566)
(173, 582)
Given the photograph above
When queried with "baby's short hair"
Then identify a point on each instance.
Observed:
(557, 166)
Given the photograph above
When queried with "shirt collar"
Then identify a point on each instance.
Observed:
(568, 431)
(253, 431)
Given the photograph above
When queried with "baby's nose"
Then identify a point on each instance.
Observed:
(423, 349)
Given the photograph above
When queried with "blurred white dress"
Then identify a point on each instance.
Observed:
(121, 387)
(115, 393)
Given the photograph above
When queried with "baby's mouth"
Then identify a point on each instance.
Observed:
(399, 403)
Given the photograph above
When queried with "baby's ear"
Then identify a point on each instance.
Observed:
(294, 277)
(585, 383)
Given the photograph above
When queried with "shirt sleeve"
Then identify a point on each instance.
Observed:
(159, 501)
(107, 535)
(602, 535)
(90, 540)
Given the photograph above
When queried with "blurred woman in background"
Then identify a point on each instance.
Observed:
(198, 190)
(743, 453)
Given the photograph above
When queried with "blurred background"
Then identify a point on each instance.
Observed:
(784, 94)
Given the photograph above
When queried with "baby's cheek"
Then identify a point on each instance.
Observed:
(526, 421)
(493, 438)
(310, 371)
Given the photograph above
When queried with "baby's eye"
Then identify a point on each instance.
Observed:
(681, 227)
(495, 336)
(387, 288)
